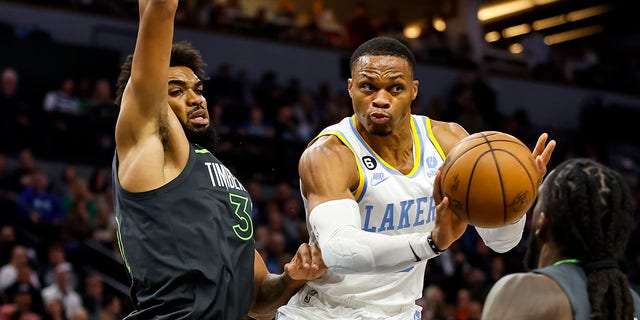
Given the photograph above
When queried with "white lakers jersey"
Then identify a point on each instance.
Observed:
(390, 203)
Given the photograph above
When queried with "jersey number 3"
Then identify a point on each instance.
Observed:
(244, 228)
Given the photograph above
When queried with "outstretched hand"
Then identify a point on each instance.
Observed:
(307, 264)
(542, 154)
(449, 227)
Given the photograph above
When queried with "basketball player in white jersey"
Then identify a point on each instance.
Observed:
(371, 190)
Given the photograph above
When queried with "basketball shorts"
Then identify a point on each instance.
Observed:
(309, 304)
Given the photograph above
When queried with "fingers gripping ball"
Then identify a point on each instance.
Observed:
(490, 178)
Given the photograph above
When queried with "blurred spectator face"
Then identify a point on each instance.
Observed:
(114, 306)
(56, 255)
(40, 181)
(102, 91)
(94, 285)
(54, 307)
(24, 274)
(19, 256)
(23, 300)
(68, 85)
(7, 234)
(63, 276)
(26, 159)
(9, 82)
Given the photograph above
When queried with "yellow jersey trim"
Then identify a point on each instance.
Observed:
(433, 138)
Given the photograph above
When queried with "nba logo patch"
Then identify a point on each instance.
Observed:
(431, 161)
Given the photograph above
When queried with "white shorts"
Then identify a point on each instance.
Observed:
(308, 304)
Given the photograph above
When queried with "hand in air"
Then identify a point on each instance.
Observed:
(448, 226)
(542, 154)
(307, 264)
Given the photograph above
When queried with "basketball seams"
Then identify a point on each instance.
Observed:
(465, 161)
(500, 179)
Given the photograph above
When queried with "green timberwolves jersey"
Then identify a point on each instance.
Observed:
(188, 245)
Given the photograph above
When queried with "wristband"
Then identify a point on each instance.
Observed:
(433, 246)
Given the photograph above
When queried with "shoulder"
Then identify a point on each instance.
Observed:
(327, 148)
(447, 133)
(527, 296)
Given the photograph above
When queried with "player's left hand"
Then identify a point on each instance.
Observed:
(307, 264)
(542, 154)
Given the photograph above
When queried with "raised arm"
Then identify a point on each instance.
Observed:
(144, 108)
(328, 173)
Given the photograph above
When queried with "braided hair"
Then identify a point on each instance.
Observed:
(590, 212)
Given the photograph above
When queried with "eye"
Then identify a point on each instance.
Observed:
(175, 93)
(367, 87)
(397, 88)
(199, 91)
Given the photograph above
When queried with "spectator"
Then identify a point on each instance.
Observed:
(93, 298)
(7, 243)
(56, 255)
(23, 293)
(111, 308)
(17, 127)
(41, 208)
(62, 290)
(9, 271)
(62, 107)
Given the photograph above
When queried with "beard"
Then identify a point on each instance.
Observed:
(205, 137)
(533, 252)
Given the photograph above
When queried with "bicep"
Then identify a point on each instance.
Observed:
(327, 172)
(448, 134)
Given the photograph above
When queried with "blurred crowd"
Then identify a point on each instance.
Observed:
(56, 150)
(582, 65)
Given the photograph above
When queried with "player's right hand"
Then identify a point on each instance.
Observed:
(449, 227)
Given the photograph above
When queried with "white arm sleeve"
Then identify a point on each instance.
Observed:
(504, 238)
(346, 248)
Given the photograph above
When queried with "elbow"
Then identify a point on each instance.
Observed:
(503, 245)
(346, 256)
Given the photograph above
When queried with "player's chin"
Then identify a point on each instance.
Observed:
(380, 131)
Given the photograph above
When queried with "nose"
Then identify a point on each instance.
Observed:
(194, 99)
(382, 99)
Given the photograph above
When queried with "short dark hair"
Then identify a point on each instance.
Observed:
(383, 46)
(182, 54)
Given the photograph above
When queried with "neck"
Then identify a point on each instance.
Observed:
(549, 254)
(395, 148)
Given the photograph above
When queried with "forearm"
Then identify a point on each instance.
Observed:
(274, 292)
(504, 238)
(347, 249)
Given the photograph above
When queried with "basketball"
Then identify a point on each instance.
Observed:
(490, 178)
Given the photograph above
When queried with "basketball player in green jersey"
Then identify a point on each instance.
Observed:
(581, 224)
(184, 221)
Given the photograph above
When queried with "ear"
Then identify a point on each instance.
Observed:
(349, 87)
(541, 224)
(415, 85)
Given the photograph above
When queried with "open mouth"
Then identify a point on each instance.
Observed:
(379, 117)
(199, 118)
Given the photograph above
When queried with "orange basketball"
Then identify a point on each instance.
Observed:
(490, 178)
